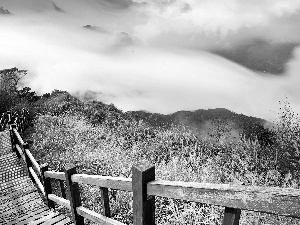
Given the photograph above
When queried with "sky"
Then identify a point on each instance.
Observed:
(158, 55)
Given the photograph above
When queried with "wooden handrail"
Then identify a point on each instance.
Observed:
(60, 201)
(280, 201)
(96, 217)
(118, 183)
(18, 148)
(37, 181)
(34, 163)
(5, 119)
(55, 175)
(18, 137)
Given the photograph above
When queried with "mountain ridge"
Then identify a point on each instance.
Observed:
(203, 122)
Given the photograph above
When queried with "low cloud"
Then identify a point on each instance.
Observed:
(160, 56)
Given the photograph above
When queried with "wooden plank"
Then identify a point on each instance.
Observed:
(32, 205)
(143, 205)
(105, 201)
(60, 201)
(47, 185)
(55, 175)
(16, 184)
(7, 156)
(37, 181)
(54, 220)
(64, 221)
(19, 201)
(231, 216)
(34, 216)
(119, 183)
(19, 138)
(34, 163)
(62, 189)
(281, 201)
(12, 197)
(16, 194)
(36, 213)
(74, 194)
(96, 217)
(18, 148)
(11, 170)
(43, 219)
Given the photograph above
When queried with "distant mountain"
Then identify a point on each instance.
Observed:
(216, 123)
(202, 121)
(4, 11)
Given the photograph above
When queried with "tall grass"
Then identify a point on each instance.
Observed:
(112, 146)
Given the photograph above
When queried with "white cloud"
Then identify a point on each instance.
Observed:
(163, 69)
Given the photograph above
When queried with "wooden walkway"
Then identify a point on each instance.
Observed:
(20, 202)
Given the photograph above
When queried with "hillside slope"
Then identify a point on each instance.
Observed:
(202, 121)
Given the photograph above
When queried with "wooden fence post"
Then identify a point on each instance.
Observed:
(2, 122)
(47, 185)
(74, 194)
(231, 216)
(105, 201)
(143, 205)
(12, 136)
(62, 186)
(8, 117)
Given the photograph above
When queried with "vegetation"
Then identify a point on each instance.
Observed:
(101, 139)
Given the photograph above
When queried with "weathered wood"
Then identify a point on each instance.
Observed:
(74, 194)
(65, 221)
(143, 205)
(47, 185)
(28, 161)
(44, 218)
(19, 150)
(36, 217)
(62, 188)
(55, 175)
(281, 201)
(96, 217)
(17, 135)
(37, 181)
(12, 136)
(231, 216)
(20, 203)
(56, 218)
(105, 201)
(9, 116)
(34, 163)
(119, 183)
(33, 215)
(60, 201)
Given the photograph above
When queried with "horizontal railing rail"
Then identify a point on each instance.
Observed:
(273, 200)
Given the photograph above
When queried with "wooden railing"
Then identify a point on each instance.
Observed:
(273, 200)
(5, 118)
(21, 121)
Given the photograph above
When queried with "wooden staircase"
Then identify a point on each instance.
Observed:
(20, 200)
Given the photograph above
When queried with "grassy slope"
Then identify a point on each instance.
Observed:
(100, 139)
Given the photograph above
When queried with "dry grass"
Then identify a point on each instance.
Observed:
(112, 148)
